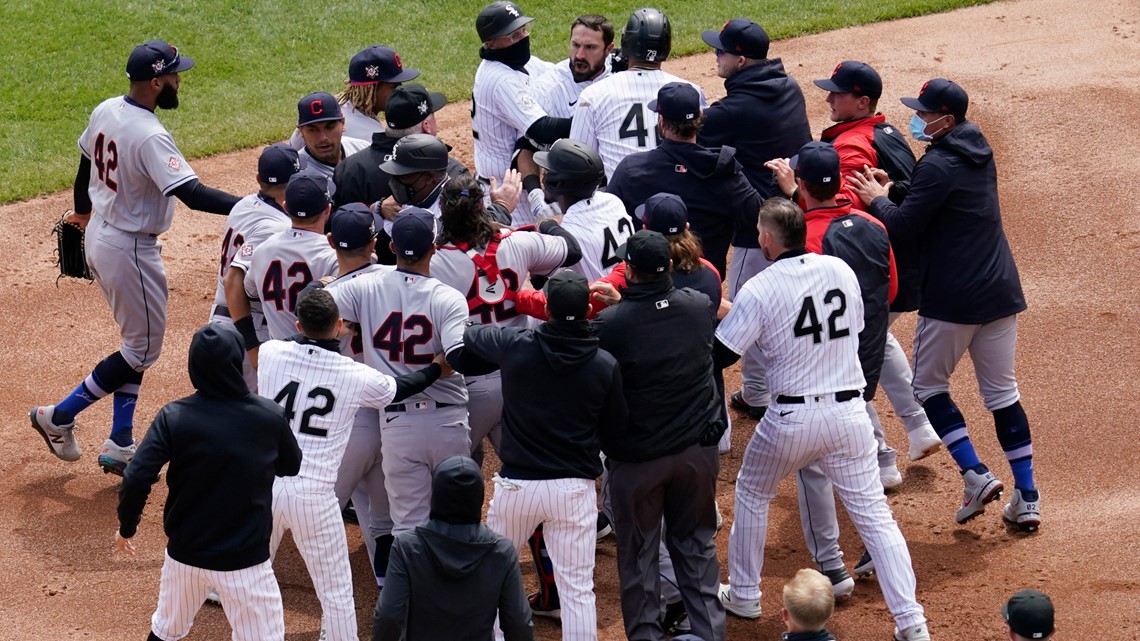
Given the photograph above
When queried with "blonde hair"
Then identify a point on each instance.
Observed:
(365, 98)
(685, 250)
(809, 599)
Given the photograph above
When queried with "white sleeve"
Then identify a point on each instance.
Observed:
(379, 389)
(741, 328)
(582, 127)
(347, 297)
(451, 314)
(250, 281)
(165, 165)
(516, 104)
(544, 254)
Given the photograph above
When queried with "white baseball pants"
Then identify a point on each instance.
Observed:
(250, 598)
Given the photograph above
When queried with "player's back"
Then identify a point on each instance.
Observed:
(517, 255)
(134, 166)
(280, 268)
(320, 391)
(810, 312)
(252, 220)
(612, 115)
(353, 346)
(600, 224)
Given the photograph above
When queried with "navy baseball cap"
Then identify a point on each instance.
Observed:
(318, 107)
(817, 162)
(568, 296)
(409, 105)
(308, 194)
(352, 226)
(413, 233)
(852, 76)
(941, 96)
(646, 251)
(155, 58)
(1029, 613)
(378, 64)
(277, 164)
(739, 37)
(677, 101)
(664, 213)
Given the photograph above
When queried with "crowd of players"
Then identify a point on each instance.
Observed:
(604, 186)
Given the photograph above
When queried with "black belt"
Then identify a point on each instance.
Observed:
(401, 407)
(840, 397)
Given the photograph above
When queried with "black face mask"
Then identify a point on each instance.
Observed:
(401, 193)
(515, 56)
(167, 98)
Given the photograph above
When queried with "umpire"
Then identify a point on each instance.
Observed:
(217, 439)
(665, 462)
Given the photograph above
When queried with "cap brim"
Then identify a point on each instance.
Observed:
(403, 76)
(316, 120)
(542, 159)
(623, 251)
(515, 25)
(438, 100)
(712, 39)
(184, 63)
(652, 105)
(829, 85)
(639, 212)
(793, 161)
(393, 168)
(916, 104)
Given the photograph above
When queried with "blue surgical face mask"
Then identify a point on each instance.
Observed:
(918, 129)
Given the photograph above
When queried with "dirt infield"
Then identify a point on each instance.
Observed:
(1054, 85)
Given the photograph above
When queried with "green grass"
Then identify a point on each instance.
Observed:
(256, 58)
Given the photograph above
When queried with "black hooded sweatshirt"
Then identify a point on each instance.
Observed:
(560, 392)
(722, 205)
(218, 440)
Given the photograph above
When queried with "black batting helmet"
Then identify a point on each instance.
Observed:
(647, 36)
(416, 153)
(499, 19)
(572, 169)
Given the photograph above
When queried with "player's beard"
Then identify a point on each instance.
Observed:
(167, 97)
(589, 73)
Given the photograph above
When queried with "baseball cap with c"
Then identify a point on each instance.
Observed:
(352, 226)
(664, 213)
(155, 58)
(567, 296)
(318, 107)
(409, 105)
(378, 64)
(739, 37)
(413, 233)
(852, 76)
(308, 194)
(1029, 614)
(646, 251)
(817, 162)
(277, 164)
(677, 101)
(940, 96)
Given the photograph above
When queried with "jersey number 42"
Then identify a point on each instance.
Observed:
(289, 393)
(807, 323)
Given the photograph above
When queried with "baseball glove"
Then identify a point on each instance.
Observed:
(70, 256)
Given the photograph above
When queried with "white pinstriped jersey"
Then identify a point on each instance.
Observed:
(279, 268)
(502, 109)
(518, 255)
(348, 144)
(556, 91)
(537, 67)
(352, 346)
(805, 313)
(600, 224)
(320, 391)
(134, 166)
(250, 222)
(613, 116)
(405, 320)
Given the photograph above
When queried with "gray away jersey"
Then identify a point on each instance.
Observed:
(250, 223)
(279, 269)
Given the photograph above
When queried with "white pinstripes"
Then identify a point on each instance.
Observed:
(250, 598)
(503, 110)
(600, 224)
(567, 510)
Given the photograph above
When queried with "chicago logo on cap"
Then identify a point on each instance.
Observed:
(372, 71)
(422, 107)
(512, 9)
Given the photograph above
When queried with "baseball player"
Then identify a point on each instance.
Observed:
(805, 312)
(591, 43)
(321, 390)
(321, 123)
(128, 171)
(215, 440)
(284, 263)
(612, 115)
(405, 318)
(254, 219)
(503, 107)
(971, 292)
(596, 219)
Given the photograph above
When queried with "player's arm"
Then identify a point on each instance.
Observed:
(740, 328)
(241, 312)
(718, 128)
(288, 461)
(382, 390)
(81, 199)
(141, 474)
(391, 612)
(548, 129)
(929, 187)
(482, 350)
(199, 197)
(550, 227)
(164, 164)
(852, 158)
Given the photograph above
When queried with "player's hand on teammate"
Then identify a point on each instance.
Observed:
(542, 209)
(870, 183)
(126, 546)
(388, 208)
(444, 366)
(605, 292)
(785, 175)
(507, 194)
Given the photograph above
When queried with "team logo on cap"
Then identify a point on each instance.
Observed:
(650, 55)
(422, 107)
(837, 68)
(372, 71)
(512, 9)
(158, 65)
(399, 65)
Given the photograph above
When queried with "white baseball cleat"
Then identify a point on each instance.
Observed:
(114, 458)
(980, 489)
(914, 633)
(890, 477)
(60, 439)
(1024, 510)
(841, 582)
(742, 608)
(924, 441)
(213, 597)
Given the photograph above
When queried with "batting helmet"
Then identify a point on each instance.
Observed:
(647, 36)
(499, 19)
(415, 153)
(572, 169)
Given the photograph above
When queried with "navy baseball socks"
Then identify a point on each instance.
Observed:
(1024, 508)
(383, 555)
(111, 375)
(981, 486)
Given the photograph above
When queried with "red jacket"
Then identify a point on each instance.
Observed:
(853, 140)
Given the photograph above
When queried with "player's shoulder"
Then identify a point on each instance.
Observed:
(273, 349)
(343, 279)
(607, 204)
(353, 145)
